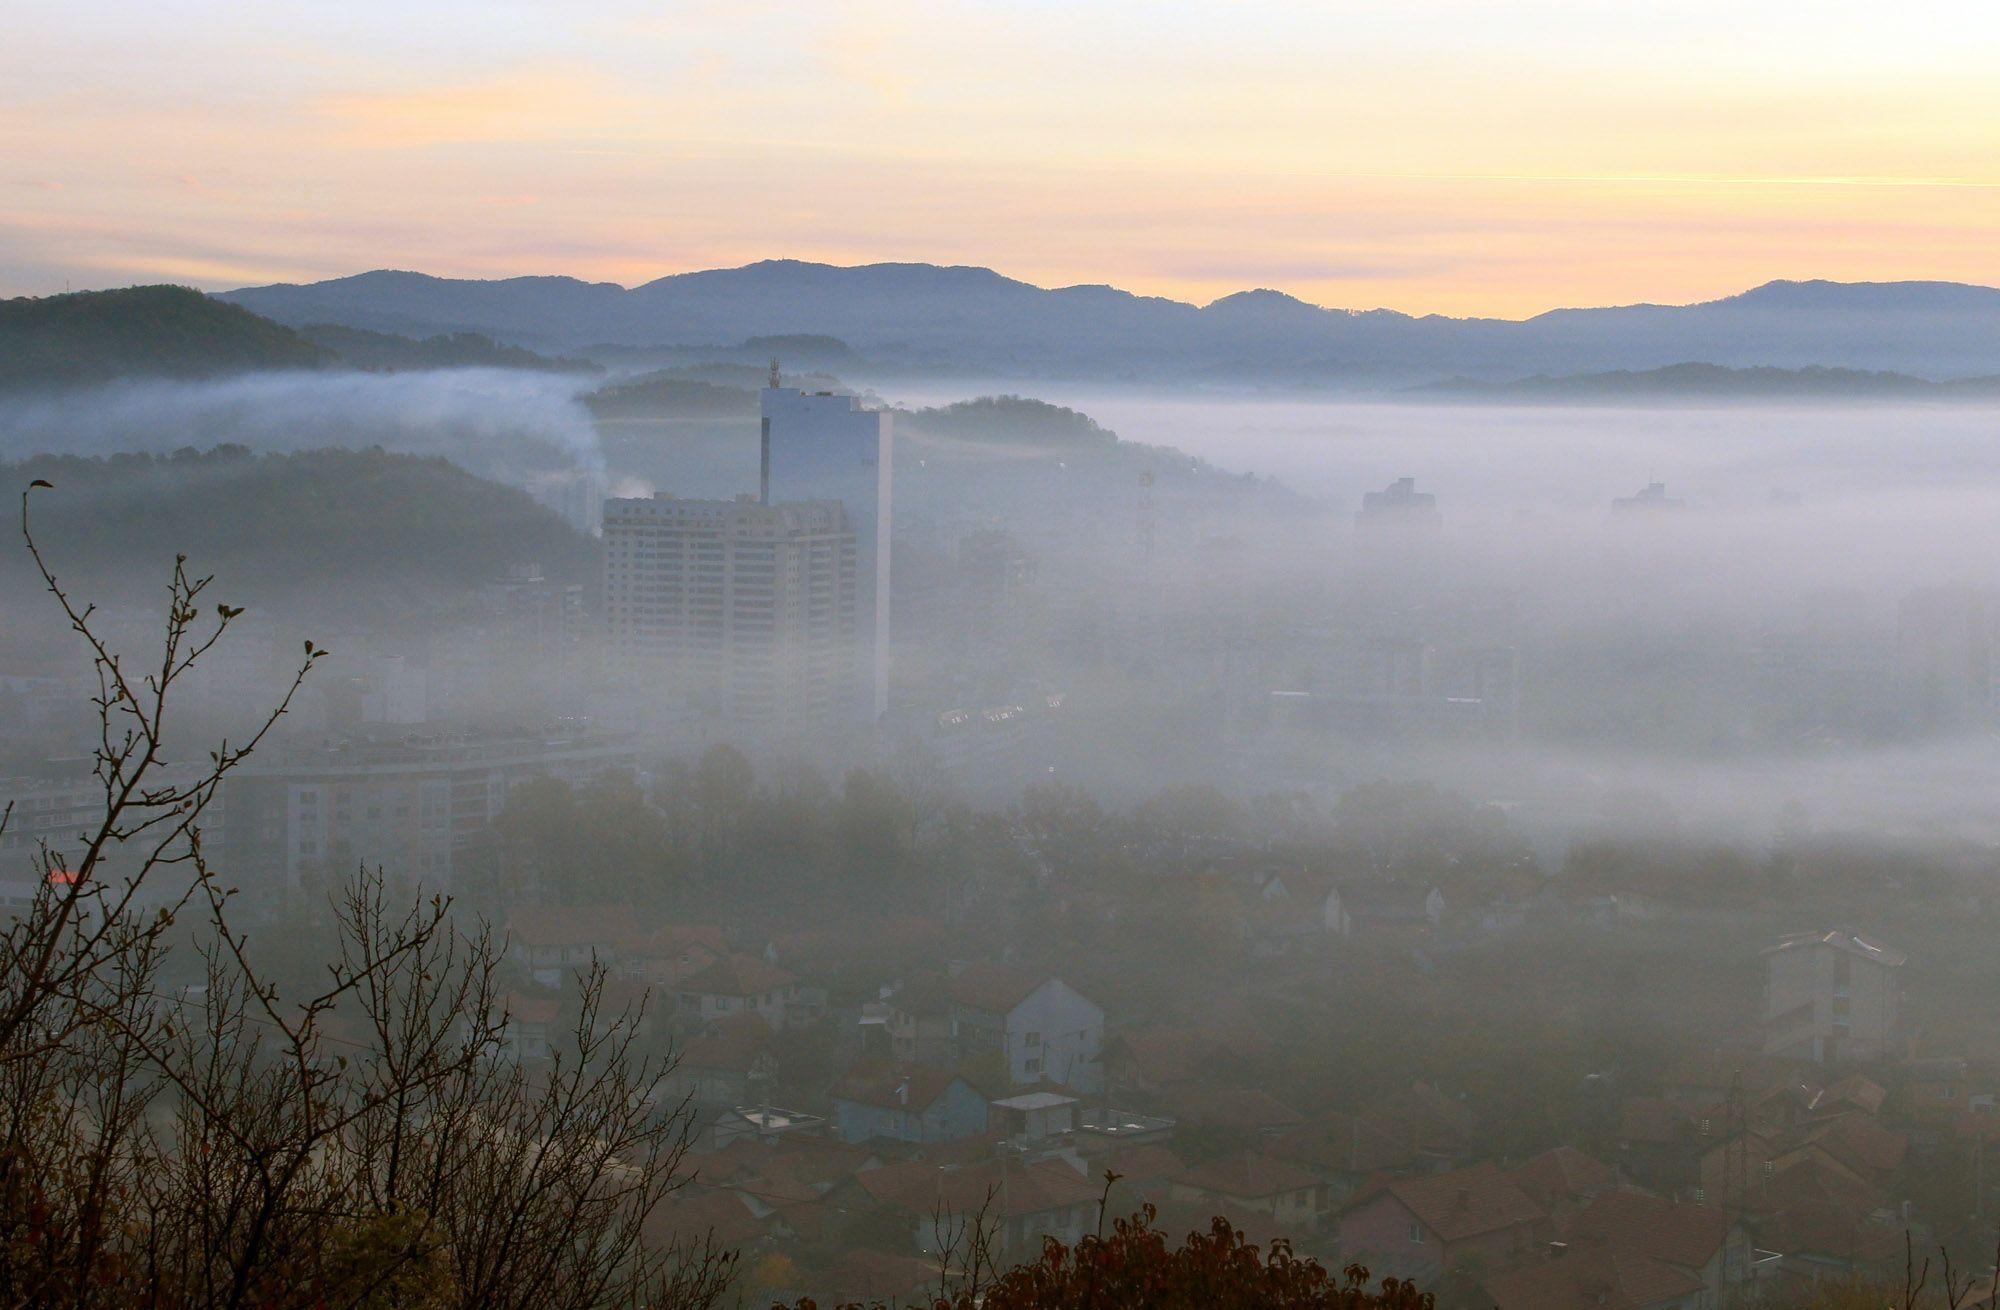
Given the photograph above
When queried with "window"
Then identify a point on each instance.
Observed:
(1034, 1040)
(1416, 1234)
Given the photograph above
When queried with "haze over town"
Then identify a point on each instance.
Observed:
(799, 652)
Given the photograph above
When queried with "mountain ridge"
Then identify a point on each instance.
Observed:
(975, 319)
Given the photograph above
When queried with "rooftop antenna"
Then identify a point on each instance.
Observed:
(774, 372)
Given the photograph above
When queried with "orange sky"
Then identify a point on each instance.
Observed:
(1462, 157)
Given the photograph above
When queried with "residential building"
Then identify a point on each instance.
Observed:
(738, 984)
(411, 805)
(733, 611)
(1591, 1278)
(1043, 1028)
(730, 1064)
(822, 446)
(1833, 995)
(557, 942)
(1250, 1181)
(1420, 1228)
(906, 1104)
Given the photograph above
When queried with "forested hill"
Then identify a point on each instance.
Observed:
(161, 331)
(175, 332)
(285, 529)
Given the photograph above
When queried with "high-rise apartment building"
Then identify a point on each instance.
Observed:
(745, 612)
(824, 446)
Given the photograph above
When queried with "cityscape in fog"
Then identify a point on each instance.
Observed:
(983, 660)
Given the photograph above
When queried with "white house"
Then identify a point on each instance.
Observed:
(1045, 1029)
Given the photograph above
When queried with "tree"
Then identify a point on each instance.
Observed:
(1133, 1267)
(351, 1145)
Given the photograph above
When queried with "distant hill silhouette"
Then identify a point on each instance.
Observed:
(1714, 382)
(280, 527)
(158, 331)
(388, 352)
(937, 318)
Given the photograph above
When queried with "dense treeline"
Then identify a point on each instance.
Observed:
(158, 331)
(384, 526)
(386, 352)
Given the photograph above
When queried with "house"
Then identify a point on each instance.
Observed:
(1249, 1181)
(1708, 1243)
(532, 1025)
(909, 1103)
(1597, 1278)
(666, 955)
(1034, 1116)
(1439, 1127)
(865, 1277)
(737, 984)
(1023, 1201)
(1042, 1027)
(920, 1029)
(1379, 904)
(1563, 1179)
(1418, 1228)
(555, 942)
(1345, 1151)
(730, 1064)
(1832, 996)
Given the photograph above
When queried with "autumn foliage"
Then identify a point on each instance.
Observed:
(1220, 1269)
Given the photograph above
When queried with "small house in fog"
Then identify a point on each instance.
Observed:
(1377, 904)
(1419, 1228)
(1832, 996)
(909, 1104)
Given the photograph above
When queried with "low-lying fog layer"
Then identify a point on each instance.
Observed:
(1752, 648)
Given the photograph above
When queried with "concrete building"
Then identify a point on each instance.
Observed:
(412, 805)
(823, 446)
(1399, 504)
(746, 612)
(1832, 996)
(1650, 499)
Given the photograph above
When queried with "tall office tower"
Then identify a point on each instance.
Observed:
(744, 610)
(822, 446)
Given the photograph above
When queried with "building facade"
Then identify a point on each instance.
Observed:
(743, 612)
(823, 446)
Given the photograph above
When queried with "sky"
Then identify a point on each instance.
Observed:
(1491, 157)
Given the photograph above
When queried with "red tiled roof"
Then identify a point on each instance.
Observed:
(1243, 1109)
(1858, 1141)
(1015, 1189)
(993, 988)
(1465, 1202)
(1347, 1143)
(1247, 1176)
(863, 1276)
(1594, 1279)
(822, 1161)
(1563, 1172)
(734, 1045)
(1660, 1121)
(910, 1087)
(737, 975)
(1678, 1233)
